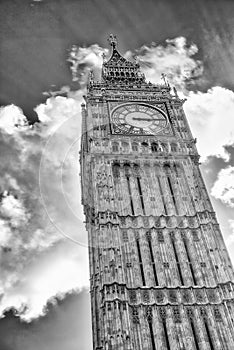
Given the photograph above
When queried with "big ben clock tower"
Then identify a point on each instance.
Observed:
(160, 273)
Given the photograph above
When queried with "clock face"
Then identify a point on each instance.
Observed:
(138, 118)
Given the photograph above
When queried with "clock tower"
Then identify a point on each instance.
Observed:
(160, 273)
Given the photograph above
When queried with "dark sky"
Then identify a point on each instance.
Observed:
(35, 37)
(63, 325)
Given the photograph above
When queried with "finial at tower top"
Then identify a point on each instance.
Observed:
(113, 40)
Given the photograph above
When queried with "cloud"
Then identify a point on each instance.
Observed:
(13, 210)
(210, 115)
(175, 58)
(84, 59)
(223, 188)
(62, 270)
(230, 239)
(37, 261)
(12, 118)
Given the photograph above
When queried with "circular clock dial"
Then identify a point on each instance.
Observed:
(137, 118)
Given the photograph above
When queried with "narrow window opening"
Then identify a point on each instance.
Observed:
(135, 147)
(194, 335)
(130, 195)
(141, 195)
(162, 196)
(144, 146)
(152, 336)
(190, 263)
(140, 262)
(115, 147)
(172, 194)
(209, 336)
(152, 262)
(166, 335)
(178, 263)
(154, 147)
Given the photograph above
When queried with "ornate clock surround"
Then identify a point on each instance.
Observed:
(138, 118)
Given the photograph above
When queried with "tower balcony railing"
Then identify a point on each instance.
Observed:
(137, 149)
(118, 84)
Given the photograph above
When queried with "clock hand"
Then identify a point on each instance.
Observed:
(146, 119)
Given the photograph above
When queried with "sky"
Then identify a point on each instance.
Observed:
(47, 48)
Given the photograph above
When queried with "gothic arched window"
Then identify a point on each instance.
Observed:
(127, 169)
(125, 146)
(115, 147)
(135, 147)
(173, 147)
(154, 147)
(116, 170)
(136, 169)
(144, 146)
(166, 168)
(164, 147)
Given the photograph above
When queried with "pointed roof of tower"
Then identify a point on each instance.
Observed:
(118, 69)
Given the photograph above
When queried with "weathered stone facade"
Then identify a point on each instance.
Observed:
(160, 273)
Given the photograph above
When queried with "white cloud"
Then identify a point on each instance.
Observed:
(223, 188)
(13, 210)
(230, 239)
(12, 118)
(83, 59)
(58, 272)
(36, 260)
(175, 59)
(210, 115)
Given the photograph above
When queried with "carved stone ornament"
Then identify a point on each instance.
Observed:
(190, 313)
(203, 312)
(163, 313)
(172, 296)
(149, 314)
(160, 236)
(176, 314)
(186, 295)
(159, 296)
(132, 296)
(217, 314)
(211, 294)
(135, 315)
(199, 294)
(146, 298)
(122, 220)
(146, 221)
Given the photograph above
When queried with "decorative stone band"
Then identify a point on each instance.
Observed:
(191, 295)
(161, 221)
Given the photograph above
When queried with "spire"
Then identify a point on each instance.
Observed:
(164, 78)
(118, 69)
(113, 40)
